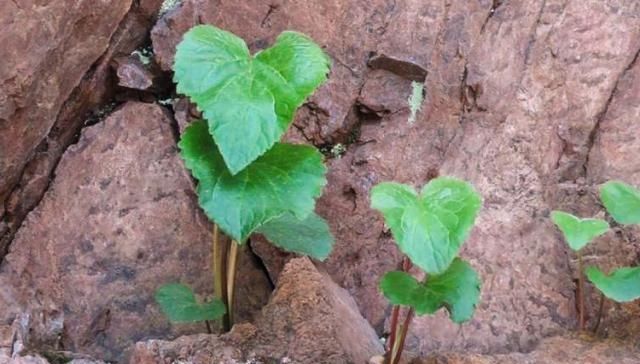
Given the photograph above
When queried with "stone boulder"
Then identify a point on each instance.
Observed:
(56, 79)
(309, 319)
(120, 219)
(46, 51)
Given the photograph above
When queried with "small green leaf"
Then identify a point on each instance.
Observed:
(248, 101)
(178, 302)
(286, 179)
(623, 285)
(310, 236)
(578, 232)
(399, 288)
(622, 201)
(457, 289)
(429, 228)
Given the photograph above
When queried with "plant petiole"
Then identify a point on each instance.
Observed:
(220, 274)
(580, 291)
(232, 264)
(404, 329)
(395, 342)
(600, 313)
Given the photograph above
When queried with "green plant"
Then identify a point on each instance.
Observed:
(429, 228)
(622, 202)
(248, 181)
(578, 233)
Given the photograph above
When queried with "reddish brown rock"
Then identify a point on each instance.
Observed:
(132, 73)
(120, 219)
(516, 94)
(79, 79)
(557, 350)
(46, 50)
(309, 319)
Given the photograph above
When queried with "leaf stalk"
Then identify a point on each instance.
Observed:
(581, 292)
(232, 264)
(220, 275)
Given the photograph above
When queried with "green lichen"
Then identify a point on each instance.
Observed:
(168, 5)
(338, 150)
(415, 100)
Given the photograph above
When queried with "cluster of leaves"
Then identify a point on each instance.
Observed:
(622, 202)
(430, 229)
(249, 181)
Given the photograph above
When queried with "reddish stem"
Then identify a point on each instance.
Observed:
(403, 336)
(581, 292)
(406, 265)
(394, 328)
(600, 313)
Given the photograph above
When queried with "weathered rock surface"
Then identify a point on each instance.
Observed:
(309, 319)
(532, 101)
(46, 51)
(557, 350)
(55, 79)
(528, 100)
(120, 219)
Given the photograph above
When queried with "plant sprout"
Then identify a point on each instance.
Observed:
(578, 233)
(430, 228)
(622, 202)
(248, 181)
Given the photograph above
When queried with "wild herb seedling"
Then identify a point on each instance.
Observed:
(247, 180)
(429, 228)
(578, 233)
(622, 285)
(622, 202)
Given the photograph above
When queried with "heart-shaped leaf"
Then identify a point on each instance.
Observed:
(286, 179)
(310, 236)
(457, 289)
(178, 302)
(578, 232)
(431, 227)
(623, 285)
(621, 201)
(248, 101)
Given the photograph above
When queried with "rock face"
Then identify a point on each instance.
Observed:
(531, 101)
(309, 319)
(119, 220)
(46, 51)
(55, 78)
(558, 350)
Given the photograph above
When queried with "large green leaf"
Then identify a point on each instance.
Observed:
(249, 101)
(309, 236)
(578, 232)
(431, 227)
(621, 201)
(286, 179)
(178, 302)
(623, 285)
(457, 289)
